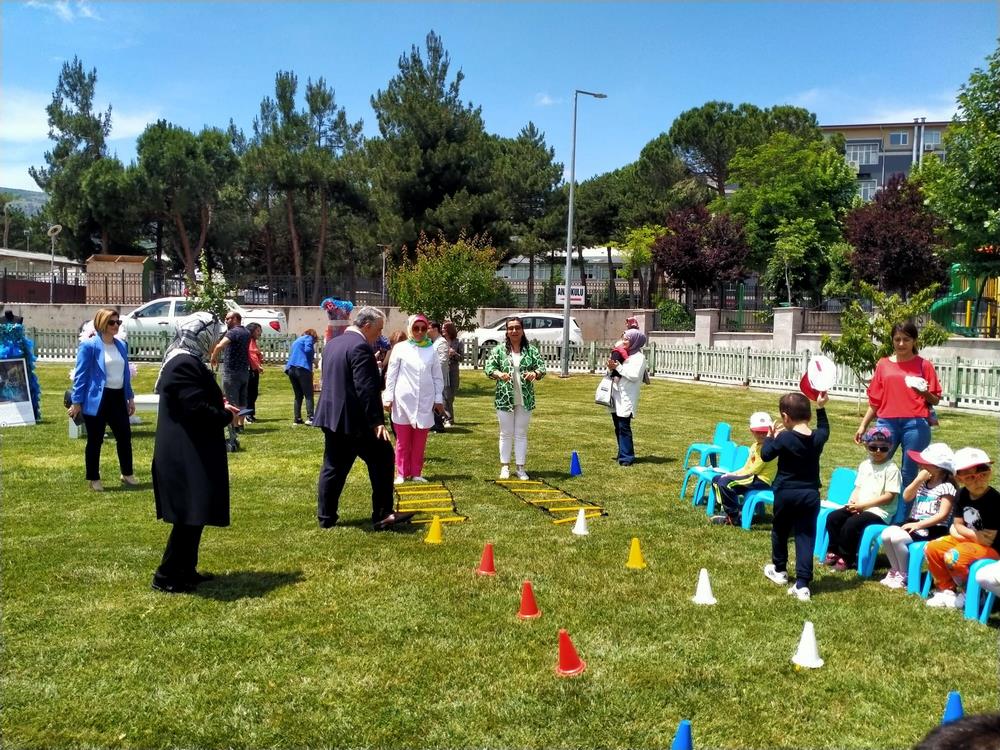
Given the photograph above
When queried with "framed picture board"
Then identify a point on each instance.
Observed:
(15, 398)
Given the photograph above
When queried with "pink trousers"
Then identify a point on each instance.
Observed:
(410, 444)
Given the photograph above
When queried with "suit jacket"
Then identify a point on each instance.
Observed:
(350, 402)
(90, 377)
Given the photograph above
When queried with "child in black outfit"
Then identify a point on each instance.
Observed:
(796, 487)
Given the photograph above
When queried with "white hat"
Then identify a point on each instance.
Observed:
(760, 421)
(966, 458)
(935, 454)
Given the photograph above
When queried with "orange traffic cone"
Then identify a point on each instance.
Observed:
(529, 609)
(570, 663)
(486, 567)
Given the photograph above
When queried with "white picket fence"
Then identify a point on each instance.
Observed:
(966, 383)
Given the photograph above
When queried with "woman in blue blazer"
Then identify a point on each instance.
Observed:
(102, 390)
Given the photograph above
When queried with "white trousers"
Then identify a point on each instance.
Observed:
(895, 544)
(514, 429)
(988, 578)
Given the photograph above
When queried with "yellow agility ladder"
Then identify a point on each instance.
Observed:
(427, 500)
(559, 504)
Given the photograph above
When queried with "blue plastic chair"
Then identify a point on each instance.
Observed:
(754, 500)
(701, 472)
(973, 610)
(838, 492)
(871, 539)
(723, 432)
(707, 486)
(915, 583)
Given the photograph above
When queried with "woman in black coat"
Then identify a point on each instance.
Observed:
(190, 463)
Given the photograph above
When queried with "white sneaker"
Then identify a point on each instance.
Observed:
(960, 601)
(522, 474)
(772, 573)
(505, 472)
(890, 578)
(418, 478)
(446, 424)
(943, 599)
(899, 582)
(802, 594)
(398, 480)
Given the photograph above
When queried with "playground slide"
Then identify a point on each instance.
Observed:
(963, 289)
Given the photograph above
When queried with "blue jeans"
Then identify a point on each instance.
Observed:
(623, 431)
(914, 434)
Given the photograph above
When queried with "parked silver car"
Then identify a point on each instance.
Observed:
(541, 327)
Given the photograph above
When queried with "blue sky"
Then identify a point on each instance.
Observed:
(199, 64)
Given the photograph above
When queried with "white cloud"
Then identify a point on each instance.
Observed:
(23, 118)
(544, 100)
(67, 11)
(14, 174)
(835, 106)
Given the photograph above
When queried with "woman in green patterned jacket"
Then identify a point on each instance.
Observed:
(515, 365)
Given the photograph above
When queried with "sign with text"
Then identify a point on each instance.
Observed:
(576, 294)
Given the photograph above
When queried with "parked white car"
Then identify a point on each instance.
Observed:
(538, 327)
(163, 314)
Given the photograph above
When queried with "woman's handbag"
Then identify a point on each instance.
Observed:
(603, 395)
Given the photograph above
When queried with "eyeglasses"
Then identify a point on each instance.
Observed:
(878, 448)
(419, 328)
(975, 471)
(114, 322)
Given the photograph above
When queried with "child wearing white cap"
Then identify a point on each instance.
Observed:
(932, 494)
(973, 534)
(755, 474)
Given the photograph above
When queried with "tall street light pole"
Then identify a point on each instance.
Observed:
(569, 233)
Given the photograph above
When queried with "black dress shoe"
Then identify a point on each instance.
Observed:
(327, 523)
(393, 519)
(168, 586)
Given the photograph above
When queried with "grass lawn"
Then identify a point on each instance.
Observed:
(343, 637)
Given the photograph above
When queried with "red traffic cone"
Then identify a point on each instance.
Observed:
(570, 663)
(486, 567)
(529, 609)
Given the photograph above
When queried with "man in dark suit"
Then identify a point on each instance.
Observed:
(350, 413)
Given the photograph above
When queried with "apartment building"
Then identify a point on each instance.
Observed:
(877, 151)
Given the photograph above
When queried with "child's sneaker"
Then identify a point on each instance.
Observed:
(722, 520)
(841, 565)
(831, 558)
(943, 599)
(960, 600)
(802, 594)
(776, 576)
(894, 580)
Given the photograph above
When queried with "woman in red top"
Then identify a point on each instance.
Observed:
(901, 394)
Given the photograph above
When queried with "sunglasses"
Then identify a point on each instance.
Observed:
(114, 322)
(878, 448)
(975, 471)
(419, 328)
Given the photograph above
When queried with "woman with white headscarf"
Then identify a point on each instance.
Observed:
(413, 392)
(625, 392)
(190, 463)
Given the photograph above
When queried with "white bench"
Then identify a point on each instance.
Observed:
(143, 402)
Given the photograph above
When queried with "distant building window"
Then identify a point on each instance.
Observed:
(899, 139)
(862, 153)
(932, 137)
(867, 189)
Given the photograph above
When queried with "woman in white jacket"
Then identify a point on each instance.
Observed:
(413, 392)
(625, 393)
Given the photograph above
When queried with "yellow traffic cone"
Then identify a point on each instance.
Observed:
(635, 561)
(434, 532)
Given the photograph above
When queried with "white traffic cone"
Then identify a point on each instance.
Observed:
(580, 527)
(703, 594)
(808, 654)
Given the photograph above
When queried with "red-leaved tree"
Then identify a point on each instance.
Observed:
(895, 240)
(701, 251)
